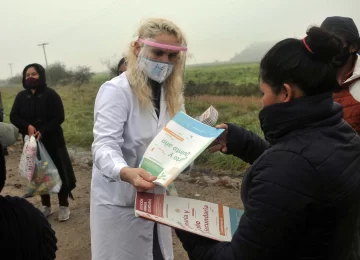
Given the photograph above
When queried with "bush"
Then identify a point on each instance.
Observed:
(81, 75)
(58, 74)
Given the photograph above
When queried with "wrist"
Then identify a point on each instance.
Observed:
(124, 173)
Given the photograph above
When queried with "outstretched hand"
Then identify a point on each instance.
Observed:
(220, 143)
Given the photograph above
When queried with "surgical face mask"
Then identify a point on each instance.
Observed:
(156, 70)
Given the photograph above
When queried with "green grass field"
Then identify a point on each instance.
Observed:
(234, 74)
(79, 103)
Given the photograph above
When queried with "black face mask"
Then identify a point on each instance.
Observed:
(343, 57)
(32, 83)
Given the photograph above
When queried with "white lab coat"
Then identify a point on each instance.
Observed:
(122, 132)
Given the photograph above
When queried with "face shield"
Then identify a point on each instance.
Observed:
(158, 61)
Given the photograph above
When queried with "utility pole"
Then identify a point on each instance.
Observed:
(11, 71)
(43, 45)
(47, 66)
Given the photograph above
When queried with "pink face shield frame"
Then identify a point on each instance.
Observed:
(162, 46)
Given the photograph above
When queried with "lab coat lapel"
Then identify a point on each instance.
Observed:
(153, 113)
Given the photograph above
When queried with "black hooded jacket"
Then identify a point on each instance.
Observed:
(44, 110)
(25, 234)
(2, 168)
(301, 194)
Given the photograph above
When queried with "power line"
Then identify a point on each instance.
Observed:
(113, 7)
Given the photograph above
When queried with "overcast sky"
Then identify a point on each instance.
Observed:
(84, 32)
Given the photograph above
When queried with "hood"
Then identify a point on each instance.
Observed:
(42, 75)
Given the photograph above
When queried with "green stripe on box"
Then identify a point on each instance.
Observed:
(152, 167)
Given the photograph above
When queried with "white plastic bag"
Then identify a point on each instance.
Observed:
(171, 190)
(28, 158)
(46, 179)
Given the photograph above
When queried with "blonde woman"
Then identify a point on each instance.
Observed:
(129, 111)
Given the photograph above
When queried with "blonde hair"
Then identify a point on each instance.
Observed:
(173, 85)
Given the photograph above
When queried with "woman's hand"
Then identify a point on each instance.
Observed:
(38, 135)
(220, 143)
(138, 177)
(31, 130)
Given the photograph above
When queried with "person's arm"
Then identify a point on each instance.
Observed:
(245, 144)
(55, 112)
(275, 213)
(111, 112)
(110, 115)
(15, 119)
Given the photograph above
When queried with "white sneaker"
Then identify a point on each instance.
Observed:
(64, 213)
(46, 211)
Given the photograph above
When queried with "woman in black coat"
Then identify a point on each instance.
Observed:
(38, 110)
(301, 194)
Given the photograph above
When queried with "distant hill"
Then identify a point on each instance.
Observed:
(253, 53)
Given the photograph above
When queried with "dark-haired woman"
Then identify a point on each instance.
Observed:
(121, 68)
(301, 194)
(348, 67)
(38, 110)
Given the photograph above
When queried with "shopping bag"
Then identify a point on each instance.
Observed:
(46, 179)
(28, 158)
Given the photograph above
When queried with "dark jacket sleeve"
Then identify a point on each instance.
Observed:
(28, 233)
(245, 144)
(15, 119)
(2, 168)
(1, 109)
(56, 115)
(275, 213)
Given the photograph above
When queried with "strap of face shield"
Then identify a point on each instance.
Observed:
(161, 45)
